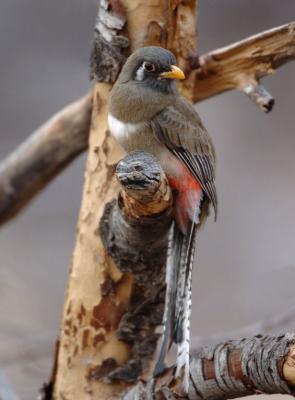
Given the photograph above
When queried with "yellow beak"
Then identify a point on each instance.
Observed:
(174, 73)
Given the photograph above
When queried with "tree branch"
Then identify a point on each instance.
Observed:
(116, 323)
(231, 369)
(27, 170)
(100, 297)
(134, 233)
(241, 65)
(54, 145)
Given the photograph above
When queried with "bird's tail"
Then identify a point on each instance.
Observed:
(174, 252)
(176, 320)
(183, 305)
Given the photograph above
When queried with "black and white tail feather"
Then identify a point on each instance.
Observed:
(179, 128)
(178, 301)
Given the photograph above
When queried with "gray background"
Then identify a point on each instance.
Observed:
(245, 270)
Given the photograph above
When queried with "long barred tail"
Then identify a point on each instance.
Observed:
(183, 305)
(176, 320)
(175, 245)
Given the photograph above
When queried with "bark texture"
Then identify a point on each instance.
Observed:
(238, 66)
(115, 293)
(26, 171)
(231, 369)
(242, 64)
(134, 232)
(99, 293)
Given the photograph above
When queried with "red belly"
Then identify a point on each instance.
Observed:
(187, 198)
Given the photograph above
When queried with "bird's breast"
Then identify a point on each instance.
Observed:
(133, 136)
(139, 136)
(122, 130)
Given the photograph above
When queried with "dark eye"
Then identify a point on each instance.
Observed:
(149, 67)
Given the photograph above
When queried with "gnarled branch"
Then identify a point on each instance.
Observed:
(231, 369)
(116, 323)
(134, 232)
(27, 170)
(238, 66)
(241, 65)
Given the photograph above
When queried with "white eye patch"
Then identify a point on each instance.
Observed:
(139, 76)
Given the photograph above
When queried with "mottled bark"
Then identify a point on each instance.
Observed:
(238, 66)
(99, 293)
(114, 298)
(230, 370)
(26, 171)
(134, 232)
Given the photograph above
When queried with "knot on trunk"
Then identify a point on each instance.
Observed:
(134, 230)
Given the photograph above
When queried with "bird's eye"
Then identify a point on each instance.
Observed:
(149, 67)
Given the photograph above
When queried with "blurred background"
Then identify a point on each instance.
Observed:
(246, 261)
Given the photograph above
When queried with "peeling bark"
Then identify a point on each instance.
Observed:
(90, 349)
(232, 369)
(110, 42)
(238, 66)
(115, 298)
(115, 293)
(134, 232)
(88, 337)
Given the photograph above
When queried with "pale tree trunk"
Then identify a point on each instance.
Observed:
(114, 300)
(115, 294)
(89, 345)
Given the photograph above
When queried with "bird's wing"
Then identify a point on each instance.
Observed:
(182, 132)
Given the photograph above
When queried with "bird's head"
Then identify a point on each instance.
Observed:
(152, 67)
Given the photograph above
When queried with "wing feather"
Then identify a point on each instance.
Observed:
(186, 137)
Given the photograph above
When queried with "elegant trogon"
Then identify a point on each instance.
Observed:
(148, 113)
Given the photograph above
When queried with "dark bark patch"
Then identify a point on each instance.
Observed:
(81, 314)
(85, 338)
(128, 373)
(108, 287)
(110, 45)
(98, 338)
(103, 370)
(106, 315)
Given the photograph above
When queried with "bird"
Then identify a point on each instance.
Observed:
(148, 113)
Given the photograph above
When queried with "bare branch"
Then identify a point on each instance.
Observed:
(231, 369)
(138, 248)
(42, 156)
(241, 65)
(238, 66)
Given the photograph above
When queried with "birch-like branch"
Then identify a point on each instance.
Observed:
(43, 155)
(231, 369)
(32, 165)
(241, 65)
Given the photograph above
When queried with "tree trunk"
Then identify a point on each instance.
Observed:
(99, 293)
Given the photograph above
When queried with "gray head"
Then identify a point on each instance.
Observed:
(152, 67)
